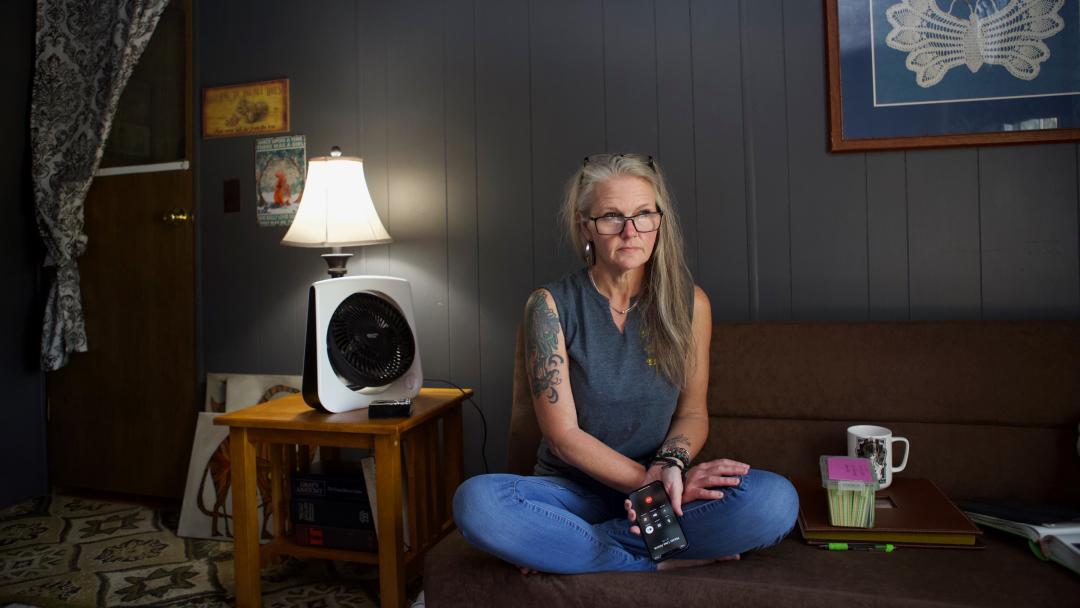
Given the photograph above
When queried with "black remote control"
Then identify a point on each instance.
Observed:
(390, 408)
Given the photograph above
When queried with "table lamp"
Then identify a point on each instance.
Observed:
(336, 210)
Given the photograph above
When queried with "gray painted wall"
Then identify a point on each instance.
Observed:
(22, 419)
(472, 114)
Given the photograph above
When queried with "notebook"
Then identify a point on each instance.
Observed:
(1052, 531)
(910, 512)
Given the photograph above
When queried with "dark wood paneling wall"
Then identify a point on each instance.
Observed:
(22, 413)
(724, 161)
(463, 243)
(567, 114)
(675, 112)
(1029, 248)
(503, 207)
(472, 114)
(826, 192)
(886, 236)
(943, 234)
(770, 163)
(629, 40)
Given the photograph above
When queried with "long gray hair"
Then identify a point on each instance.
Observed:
(667, 298)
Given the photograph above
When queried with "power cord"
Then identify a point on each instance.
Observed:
(483, 420)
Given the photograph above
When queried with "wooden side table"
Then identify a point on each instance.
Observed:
(432, 476)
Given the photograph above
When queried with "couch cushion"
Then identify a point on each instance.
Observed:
(794, 574)
(524, 431)
(1015, 373)
(991, 407)
(964, 460)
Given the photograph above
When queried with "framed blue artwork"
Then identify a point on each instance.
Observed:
(931, 73)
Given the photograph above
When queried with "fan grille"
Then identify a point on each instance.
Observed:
(369, 341)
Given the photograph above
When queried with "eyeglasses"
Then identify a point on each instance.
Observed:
(648, 160)
(596, 158)
(613, 223)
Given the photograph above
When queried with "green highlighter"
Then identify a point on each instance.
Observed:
(888, 548)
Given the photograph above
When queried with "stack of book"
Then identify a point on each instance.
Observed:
(330, 508)
(909, 513)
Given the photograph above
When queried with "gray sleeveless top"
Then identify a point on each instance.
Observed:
(621, 399)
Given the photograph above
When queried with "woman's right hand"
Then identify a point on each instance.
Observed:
(671, 477)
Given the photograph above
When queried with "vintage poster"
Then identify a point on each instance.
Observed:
(280, 163)
(246, 109)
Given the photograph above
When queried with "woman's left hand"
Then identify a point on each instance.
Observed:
(703, 477)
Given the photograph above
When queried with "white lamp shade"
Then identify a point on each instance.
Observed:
(336, 209)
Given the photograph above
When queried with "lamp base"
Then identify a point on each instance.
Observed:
(336, 263)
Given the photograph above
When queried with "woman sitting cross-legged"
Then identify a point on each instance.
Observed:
(617, 356)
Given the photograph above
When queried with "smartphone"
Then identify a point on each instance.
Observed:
(660, 528)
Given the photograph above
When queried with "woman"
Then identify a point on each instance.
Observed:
(618, 359)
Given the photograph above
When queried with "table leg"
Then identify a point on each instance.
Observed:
(391, 539)
(278, 479)
(433, 491)
(245, 519)
(411, 446)
(452, 448)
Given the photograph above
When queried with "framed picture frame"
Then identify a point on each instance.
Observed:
(253, 108)
(937, 73)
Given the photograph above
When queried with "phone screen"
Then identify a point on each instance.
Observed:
(660, 528)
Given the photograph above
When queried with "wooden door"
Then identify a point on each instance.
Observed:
(122, 416)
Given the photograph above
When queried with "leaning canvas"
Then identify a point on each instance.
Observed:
(207, 507)
(215, 392)
(368, 464)
(245, 390)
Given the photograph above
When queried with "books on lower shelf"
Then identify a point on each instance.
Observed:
(335, 538)
(911, 512)
(341, 485)
(329, 512)
(335, 506)
(1053, 531)
(330, 508)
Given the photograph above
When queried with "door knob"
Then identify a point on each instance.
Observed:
(178, 216)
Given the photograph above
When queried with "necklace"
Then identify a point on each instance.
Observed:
(621, 311)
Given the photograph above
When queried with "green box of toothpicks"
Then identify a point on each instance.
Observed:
(851, 485)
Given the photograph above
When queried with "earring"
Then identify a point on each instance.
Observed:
(590, 255)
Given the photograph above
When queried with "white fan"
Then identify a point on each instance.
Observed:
(361, 343)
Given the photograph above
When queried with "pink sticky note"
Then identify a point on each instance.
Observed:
(848, 469)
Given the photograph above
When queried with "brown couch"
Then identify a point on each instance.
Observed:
(991, 409)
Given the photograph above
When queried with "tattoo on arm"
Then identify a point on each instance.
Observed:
(541, 342)
(676, 442)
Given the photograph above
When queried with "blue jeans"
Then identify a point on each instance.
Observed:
(553, 524)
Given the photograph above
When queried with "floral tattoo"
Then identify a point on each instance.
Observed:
(541, 342)
(677, 447)
(678, 441)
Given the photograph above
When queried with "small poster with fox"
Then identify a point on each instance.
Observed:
(280, 164)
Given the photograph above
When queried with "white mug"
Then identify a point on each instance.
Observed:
(875, 443)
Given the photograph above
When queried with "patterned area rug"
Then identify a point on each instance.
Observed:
(73, 552)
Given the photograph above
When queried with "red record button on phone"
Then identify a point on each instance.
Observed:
(648, 500)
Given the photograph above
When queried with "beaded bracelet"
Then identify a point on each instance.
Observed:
(679, 453)
(669, 463)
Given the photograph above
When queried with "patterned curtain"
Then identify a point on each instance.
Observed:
(86, 50)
